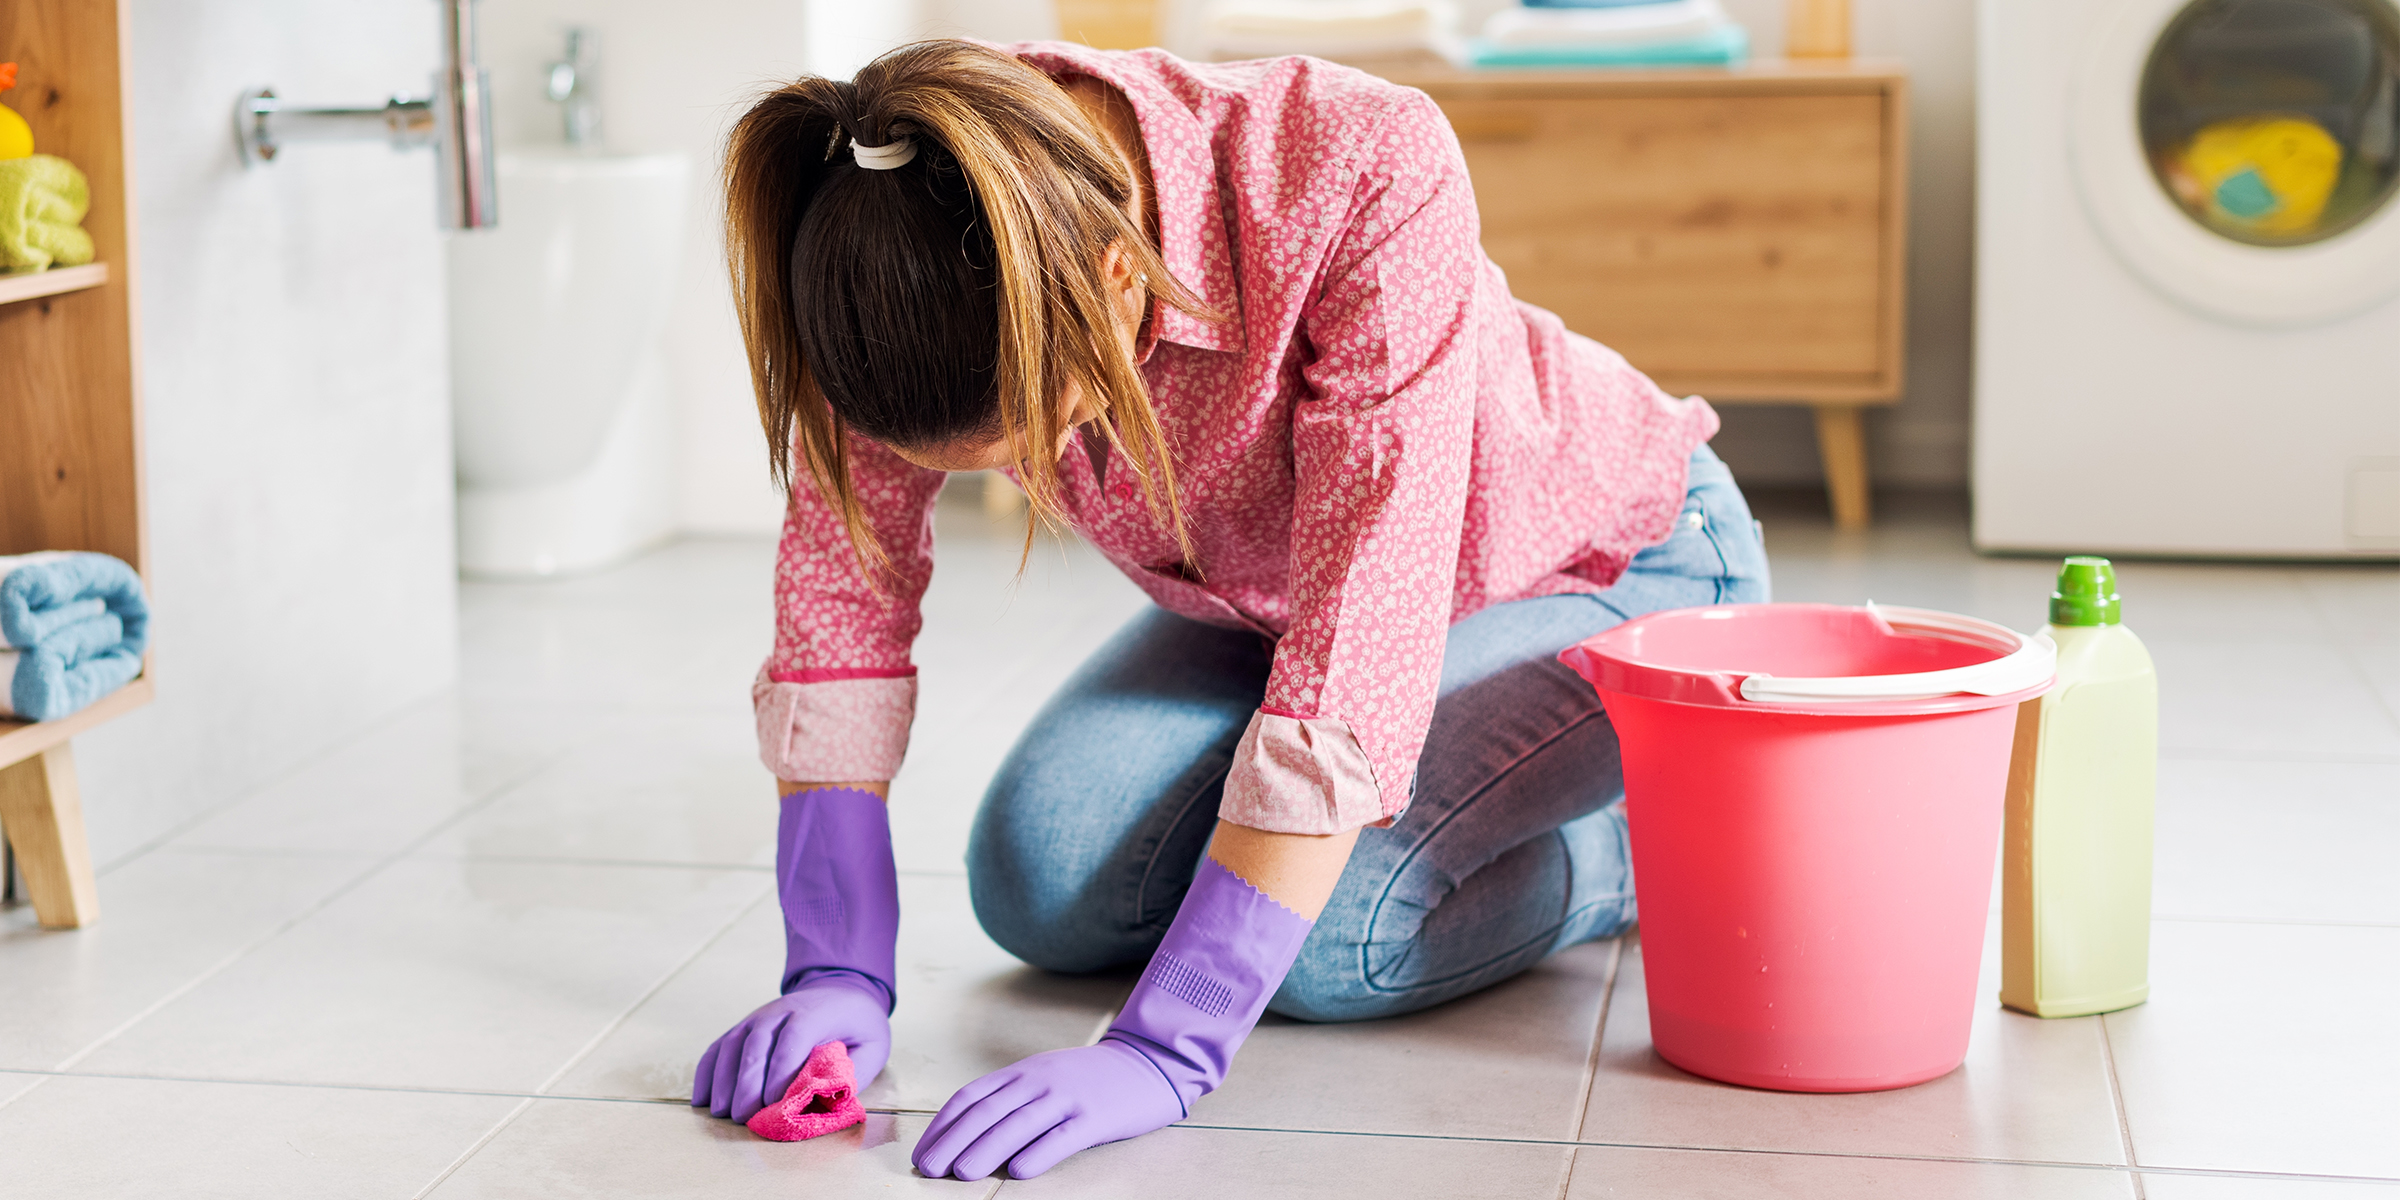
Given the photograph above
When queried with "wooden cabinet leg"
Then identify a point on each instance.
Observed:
(42, 814)
(1842, 444)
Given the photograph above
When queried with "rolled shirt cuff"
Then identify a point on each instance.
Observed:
(1294, 774)
(850, 729)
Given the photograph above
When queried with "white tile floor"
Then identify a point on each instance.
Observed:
(475, 952)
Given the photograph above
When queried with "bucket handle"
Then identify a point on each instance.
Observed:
(2026, 661)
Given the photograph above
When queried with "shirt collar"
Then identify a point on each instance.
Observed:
(1183, 175)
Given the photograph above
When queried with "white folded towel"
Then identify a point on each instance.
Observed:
(1638, 24)
(1331, 28)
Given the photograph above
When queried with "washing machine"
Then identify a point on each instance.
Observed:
(2188, 278)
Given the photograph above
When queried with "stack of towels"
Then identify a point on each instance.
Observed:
(72, 629)
(1367, 32)
(1611, 33)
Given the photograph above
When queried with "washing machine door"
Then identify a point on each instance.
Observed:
(2243, 156)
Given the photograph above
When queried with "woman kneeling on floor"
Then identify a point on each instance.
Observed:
(1231, 323)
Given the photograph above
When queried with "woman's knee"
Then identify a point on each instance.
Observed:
(1044, 907)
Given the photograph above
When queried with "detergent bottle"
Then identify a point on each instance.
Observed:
(2082, 786)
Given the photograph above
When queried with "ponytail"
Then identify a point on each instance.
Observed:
(959, 295)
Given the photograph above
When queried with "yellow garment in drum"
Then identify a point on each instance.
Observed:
(2270, 174)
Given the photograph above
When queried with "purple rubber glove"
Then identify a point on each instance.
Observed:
(1227, 952)
(841, 918)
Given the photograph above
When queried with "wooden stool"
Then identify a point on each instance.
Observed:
(41, 811)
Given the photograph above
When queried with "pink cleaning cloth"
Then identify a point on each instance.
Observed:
(823, 1099)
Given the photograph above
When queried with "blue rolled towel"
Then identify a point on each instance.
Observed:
(41, 594)
(67, 670)
(73, 626)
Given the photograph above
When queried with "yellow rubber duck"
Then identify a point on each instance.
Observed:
(16, 137)
(2271, 173)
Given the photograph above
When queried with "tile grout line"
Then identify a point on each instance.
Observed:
(1591, 1061)
(473, 1150)
(2116, 1099)
(2204, 1172)
(200, 818)
(289, 923)
(576, 1059)
(1566, 1172)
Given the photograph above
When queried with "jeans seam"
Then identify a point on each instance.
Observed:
(1399, 869)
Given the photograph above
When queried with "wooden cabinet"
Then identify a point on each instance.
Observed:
(1735, 234)
(70, 415)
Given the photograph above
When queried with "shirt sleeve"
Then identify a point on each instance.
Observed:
(835, 700)
(1381, 454)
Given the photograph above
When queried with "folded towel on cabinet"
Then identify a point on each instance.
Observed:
(73, 626)
(1341, 30)
(1667, 33)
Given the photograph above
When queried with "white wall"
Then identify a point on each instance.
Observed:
(297, 424)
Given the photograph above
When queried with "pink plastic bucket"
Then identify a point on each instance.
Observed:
(1815, 795)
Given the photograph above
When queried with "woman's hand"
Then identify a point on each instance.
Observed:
(1034, 1114)
(753, 1065)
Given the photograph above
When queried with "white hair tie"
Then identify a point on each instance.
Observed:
(898, 152)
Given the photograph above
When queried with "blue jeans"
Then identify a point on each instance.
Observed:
(1512, 849)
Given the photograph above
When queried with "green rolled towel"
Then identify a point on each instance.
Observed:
(42, 202)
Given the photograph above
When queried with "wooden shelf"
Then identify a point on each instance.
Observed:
(70, 412)
(30, 285)
(21, 740)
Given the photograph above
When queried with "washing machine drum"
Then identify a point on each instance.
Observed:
(2243, 155)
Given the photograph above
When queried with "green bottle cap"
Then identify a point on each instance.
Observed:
(2087, 593)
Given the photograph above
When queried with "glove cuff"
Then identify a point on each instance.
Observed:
(1222, 959)
(839, 889)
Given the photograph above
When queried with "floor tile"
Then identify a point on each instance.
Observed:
(1508, 1061)
(2252, 1187)
(1186, 1163)
(687, 624)
(2030, 1090)
(441, 973)
(669, 788)
(2265, 1048)
(377, 793)
(966, 1007)
(2278, 841)
(14, 1084)
(165, 919)
(1605, 1172)
(2242, 692)
(107, 1139)
(560, 1149)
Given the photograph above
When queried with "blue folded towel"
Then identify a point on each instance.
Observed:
(73, 626)
(68, 670)
(1725, 46)
(43, 593)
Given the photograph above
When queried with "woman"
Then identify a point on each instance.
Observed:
(1231, 322)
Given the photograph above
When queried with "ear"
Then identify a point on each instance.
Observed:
(1128, 291)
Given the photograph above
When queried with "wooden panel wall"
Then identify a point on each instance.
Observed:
(70, 421)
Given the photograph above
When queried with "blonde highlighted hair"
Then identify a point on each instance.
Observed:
(958, 297)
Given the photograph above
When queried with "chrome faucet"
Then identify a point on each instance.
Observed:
(574, 83)
(456, 121)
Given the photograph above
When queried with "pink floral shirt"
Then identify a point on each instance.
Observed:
(1380, 443)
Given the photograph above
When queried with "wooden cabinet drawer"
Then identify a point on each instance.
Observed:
(1738, 241)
